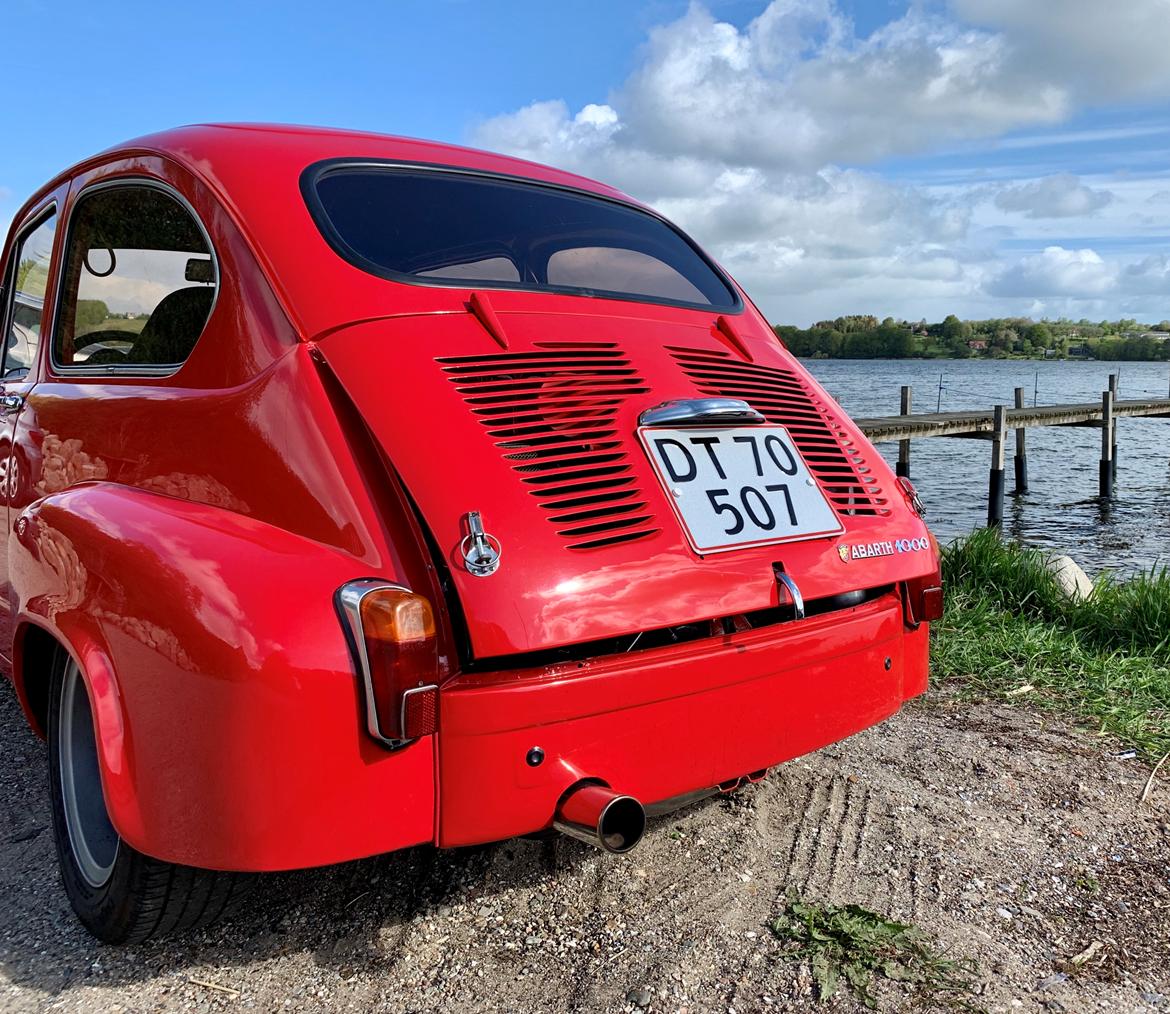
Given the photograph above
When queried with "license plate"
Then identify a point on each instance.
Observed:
(737, 486)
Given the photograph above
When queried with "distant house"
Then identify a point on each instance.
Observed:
(977, 345)
(1158, 336)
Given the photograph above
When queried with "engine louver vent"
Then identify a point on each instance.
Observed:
(552, 413)
(783, 399)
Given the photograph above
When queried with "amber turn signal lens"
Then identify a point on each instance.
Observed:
(396, 615)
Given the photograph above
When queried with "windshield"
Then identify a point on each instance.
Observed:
(455, 228)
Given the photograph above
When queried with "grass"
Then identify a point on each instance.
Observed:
(853, 946)
(1105, 659)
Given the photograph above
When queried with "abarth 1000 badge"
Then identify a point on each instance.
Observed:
(885, 547)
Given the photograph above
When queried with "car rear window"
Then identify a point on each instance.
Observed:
(455, 228)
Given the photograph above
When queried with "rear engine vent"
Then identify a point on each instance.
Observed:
(783, 398)
(552, 413)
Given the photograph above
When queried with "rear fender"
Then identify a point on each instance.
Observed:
(226, 706)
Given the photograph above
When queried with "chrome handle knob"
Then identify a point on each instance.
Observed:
(793, 593)
(481, 551)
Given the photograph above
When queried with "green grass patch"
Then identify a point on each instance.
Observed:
(1105, 659)
(853, 946)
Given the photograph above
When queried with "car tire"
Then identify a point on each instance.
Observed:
(119, 894)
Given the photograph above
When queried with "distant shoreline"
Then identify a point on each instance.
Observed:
(862, 336)
(960, 359)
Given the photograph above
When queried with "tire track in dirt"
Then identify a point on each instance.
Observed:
(803, 832)
(825, 837)
(833, 841)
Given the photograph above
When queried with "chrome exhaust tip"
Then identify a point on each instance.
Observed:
(595, 814)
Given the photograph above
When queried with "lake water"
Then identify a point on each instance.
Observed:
(1061, 509)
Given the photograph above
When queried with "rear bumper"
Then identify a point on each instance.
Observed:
(666, 723)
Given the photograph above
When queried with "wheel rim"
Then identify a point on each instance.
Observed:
(92, 837)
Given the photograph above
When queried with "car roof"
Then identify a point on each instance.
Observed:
(194, 145)
(293, 147)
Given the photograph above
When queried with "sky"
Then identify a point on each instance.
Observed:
(980, 157)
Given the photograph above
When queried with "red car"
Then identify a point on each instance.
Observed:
(366, 492)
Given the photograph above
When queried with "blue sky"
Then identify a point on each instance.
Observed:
(986, 157)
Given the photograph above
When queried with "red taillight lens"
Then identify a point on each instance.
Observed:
(398, 656)
(923, 596)
(922, 600)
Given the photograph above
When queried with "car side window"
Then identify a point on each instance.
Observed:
(140, 282)
(24, 310)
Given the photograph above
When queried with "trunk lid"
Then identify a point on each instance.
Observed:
(536, 429)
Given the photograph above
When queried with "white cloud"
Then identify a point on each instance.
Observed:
(1099, 52)
(738, 133)
(1078, 274)
(796, 89)
(1059, 196)
(1149, 276)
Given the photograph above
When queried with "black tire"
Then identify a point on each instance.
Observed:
(120, 895)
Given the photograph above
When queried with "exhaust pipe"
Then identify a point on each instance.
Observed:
(597, 815)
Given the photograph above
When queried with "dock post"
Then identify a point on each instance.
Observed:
(995, 479)
(1107, 438)
(1021, 449)
(903, 465)
(1113, 381)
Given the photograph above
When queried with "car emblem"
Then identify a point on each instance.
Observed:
(885, 547)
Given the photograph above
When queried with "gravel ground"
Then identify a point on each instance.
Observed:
(1014, 841)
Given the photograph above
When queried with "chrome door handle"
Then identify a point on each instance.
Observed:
(793, 592)
(10, 403)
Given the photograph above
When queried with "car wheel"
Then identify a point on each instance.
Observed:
(120, 895)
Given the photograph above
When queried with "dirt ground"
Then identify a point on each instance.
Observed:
(1013, 840)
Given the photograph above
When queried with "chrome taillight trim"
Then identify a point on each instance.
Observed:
(349, 605)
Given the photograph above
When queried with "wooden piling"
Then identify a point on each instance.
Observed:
(1021, 460)
(1113, 381)
(1107, 443)
(903, 465)
(995, 478)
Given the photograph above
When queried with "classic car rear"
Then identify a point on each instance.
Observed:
(514, 481)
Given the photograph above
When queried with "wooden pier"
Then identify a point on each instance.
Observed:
(993, 424)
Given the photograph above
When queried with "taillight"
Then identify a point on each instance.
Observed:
(392, 634)
(924, 600)
(923, 596)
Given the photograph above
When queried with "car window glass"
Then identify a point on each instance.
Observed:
(140, 281)
(618, 270)
(30, 284)
(454, 227)
(489, 269)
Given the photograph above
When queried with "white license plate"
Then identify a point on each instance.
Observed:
(736, 486)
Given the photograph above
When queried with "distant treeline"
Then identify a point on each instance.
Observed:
(862, 336)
